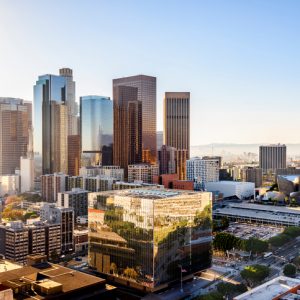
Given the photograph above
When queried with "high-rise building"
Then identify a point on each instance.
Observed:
(167, 160)
(127, 127)
(50, 125)
(76, 199)
(272, 157)
(63, 217)
(72, 106)
(142, 172)
(251, 174)
(202, 170)
(51, 184)
(96, 115)
(74, 156)
(9, 184)
(15, 123)
(159, 139)
(155, 248)
(27, 167)
(177, 127)
(146, 86)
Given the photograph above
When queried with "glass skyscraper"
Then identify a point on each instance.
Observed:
(50, 125)
(96, 130)
(144, 237)
(146, 86)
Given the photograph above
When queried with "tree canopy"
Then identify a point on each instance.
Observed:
(225, 241)
(255, 274)
(289, 270)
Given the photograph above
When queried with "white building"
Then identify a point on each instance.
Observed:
(241, 190)
(27, 174)
(114, 172)
(9, 184)
(202, 170)
(278, 288)
(142, 172)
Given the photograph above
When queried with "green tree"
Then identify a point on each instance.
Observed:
(229, 289)
(255, 274)
(279, 240)
(256, 246)
(292, 231)
(289, 270)
(211, 296)
(224, 241)
(296, 261)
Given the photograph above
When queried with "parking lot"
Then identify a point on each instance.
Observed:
(246, 231)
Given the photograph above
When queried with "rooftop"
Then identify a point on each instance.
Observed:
(270, 289)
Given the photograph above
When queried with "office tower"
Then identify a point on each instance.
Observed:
(76, 199)
(127, 127)
(167, 160)
(53, 239)
(148, 253)
(146, 86)
(96, 130)
(218, 158)
(27, 166)
(50, 126)
(159, 139)
(51, 185)
(70, 101)
(177, 127)
(251, 174)
(202, 170)
(15, 122)
(272, 157)
(14, 241)
(74, 156)
(142, 172)
(65, 218)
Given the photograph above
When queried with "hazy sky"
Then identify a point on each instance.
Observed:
(239, 59)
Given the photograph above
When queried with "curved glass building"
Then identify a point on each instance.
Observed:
(96, 125)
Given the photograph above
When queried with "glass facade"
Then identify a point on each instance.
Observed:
(49, 122)
(141, 237)
(96, 130)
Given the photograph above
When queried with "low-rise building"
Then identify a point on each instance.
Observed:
(232, 189)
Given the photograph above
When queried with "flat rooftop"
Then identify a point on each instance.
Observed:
(272, 214)
(6, 265)
(270, 289)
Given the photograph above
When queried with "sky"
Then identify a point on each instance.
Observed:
(238, 59)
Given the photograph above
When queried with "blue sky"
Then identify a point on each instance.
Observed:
(239, 59)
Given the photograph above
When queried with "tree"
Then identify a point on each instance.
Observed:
(255, 245)
(13, 199)
(289, 270)
(255, 274)
(292, 231)
(211, 296)
(296, 261)
(279, 240)
(230, 289)
(225, 241)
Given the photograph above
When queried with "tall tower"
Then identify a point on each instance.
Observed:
(50, 126)
(15, 122)
(96, 126)
(146, 86)
(127, 127)
(72, 106)
(177, 127)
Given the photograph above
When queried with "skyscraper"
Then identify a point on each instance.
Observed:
(15, 123)
(96, 130)
(70, 101)
(50, 125)
(74, 155)
(167, 160)
(272, 157)
(147, 95)
(127, 127)
(177, 127)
